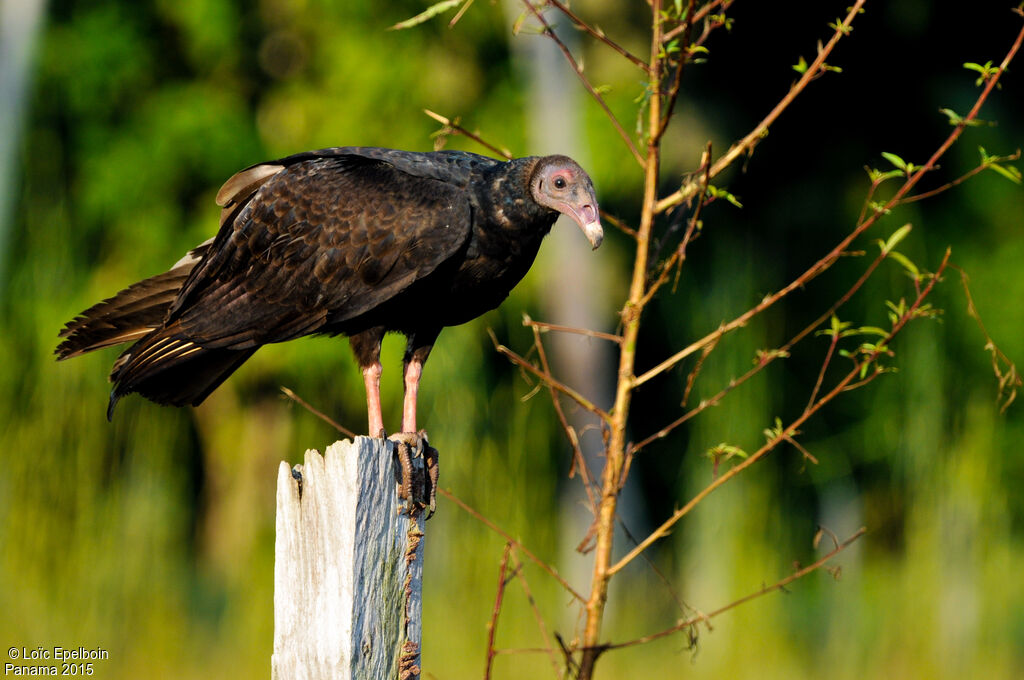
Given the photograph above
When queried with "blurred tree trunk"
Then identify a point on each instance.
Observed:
(20, 21)
(576, 293)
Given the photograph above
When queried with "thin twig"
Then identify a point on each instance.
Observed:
(598, 34)
(517, 570)
(453, 127)
(550, 32)
(492, 624)
(570, 432)
(677, 79)
(1009, 379)
(508, 537)
(747, 143)
(544, 326)
(827, 261)
(618, 224)
(783, 433)
(679, 254)
(779, 585)
(767, 358)
(824, 367)
(699, 15)
(549, 379)
(322, 416)
(956, 182)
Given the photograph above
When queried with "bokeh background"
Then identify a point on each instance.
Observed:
(152, 537)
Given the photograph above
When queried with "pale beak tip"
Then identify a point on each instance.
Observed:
(594, 233)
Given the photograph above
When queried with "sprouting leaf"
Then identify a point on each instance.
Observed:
(726, 451)
(906, 262)
(895, 160)
(987, 70)
(839, 26)
(1009, 172)
(763, 356)
(836, 327)
(896, 310)
(896, 237)
(800, 66)
(877, 176)
(956, 119)
(777, 432)
(714, 192)
(721, 20)
(426, 15)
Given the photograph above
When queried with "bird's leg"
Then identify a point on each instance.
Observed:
(366, 347)
(413, 371)
(415, 357)
(371, 378)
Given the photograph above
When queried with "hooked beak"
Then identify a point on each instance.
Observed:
(589, 220)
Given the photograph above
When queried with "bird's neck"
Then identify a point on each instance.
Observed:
(506, 205)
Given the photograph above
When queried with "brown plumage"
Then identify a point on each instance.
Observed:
(352, 241)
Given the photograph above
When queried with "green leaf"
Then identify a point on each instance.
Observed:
(426, 15)
(895, 160)
(836, 327)
(776, 432)
(905, 261)
(725, 451)
(987, 70)
(800, 66)
(896, 237)
(954, 117)
(717, 192)
(867, 330)
(1011, 173)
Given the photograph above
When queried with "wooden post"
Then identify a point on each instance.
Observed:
(348, 568)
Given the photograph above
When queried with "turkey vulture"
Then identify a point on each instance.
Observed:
(353, 241)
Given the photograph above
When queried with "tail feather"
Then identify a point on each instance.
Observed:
(168, 368)
(165, 364)
(131, 314)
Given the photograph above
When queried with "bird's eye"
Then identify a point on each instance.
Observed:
(559, 182)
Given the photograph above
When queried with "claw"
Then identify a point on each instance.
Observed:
(417, 471)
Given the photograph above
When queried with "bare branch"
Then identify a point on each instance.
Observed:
(452, 127)
(543, 326)
(746, 144)
(549, 379)
(579, 461)
(663, 530)
(508, 537)
(492, 624)
(549, 648)
(827, 261)
(322, 416)
(778, 585)
(1008, 377)
(550, 32)
(598, 34)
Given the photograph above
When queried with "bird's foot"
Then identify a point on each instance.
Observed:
(417, 471)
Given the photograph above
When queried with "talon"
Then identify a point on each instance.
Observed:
(417, 471)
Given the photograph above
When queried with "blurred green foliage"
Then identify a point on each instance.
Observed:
(152, 537)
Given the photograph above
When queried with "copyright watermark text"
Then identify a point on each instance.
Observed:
(58, 660)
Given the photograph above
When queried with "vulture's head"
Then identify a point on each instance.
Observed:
(559, 183)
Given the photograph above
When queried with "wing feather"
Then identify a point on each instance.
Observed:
(325, 237)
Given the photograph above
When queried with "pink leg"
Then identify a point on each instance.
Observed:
(371, 378)
(413, 371)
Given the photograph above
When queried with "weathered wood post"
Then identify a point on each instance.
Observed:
(348, 567)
